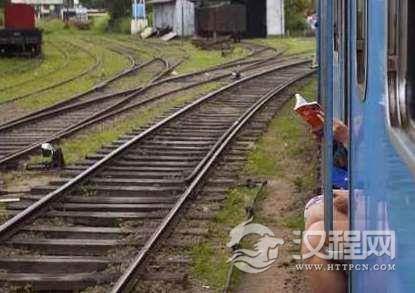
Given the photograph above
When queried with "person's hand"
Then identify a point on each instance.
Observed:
(340, 132)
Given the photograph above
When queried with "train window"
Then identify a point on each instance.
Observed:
(361, 34)
(401, 66)
(337, 25)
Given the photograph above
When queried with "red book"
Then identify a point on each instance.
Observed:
(311, 112)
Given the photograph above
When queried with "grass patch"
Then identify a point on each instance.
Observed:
(3, 213)
(100, 24)
(291, 45)
(111, 64)
(209, 259)
(202, 59)
(76, 148)
(282, 150)
(294, 222)
(209, 265)
(61, 62)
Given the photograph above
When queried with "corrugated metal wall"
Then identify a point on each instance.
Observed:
(188, 18)
(170, 15)
(164, 15)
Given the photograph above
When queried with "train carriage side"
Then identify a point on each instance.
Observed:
(367, 80)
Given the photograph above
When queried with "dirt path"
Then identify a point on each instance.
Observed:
(282, 276)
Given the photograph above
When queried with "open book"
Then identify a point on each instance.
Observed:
(312, 112)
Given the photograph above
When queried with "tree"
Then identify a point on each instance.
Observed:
(296, 12)
(97, 4)
(118, 8)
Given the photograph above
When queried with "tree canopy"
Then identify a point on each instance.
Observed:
(296, 12)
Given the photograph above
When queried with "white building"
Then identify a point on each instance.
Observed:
(264, 17)
(275, 17)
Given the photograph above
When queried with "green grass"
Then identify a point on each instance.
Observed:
(175, 50)
(111, 64)
(202, 59)
(284, 146)
(67, 61)
(3, 213)
(209, 265)
(209, 259)
(100, 24)
(290, 45)
(77, 147)
(56, 68)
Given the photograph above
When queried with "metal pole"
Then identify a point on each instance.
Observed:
(182, 1)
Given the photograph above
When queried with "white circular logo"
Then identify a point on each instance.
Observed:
(265, 251)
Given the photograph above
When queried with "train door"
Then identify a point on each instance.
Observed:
(256, 18)
(382, 147)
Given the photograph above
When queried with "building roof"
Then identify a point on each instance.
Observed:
(160, 1)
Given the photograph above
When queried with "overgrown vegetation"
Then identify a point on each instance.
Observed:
(296, 12)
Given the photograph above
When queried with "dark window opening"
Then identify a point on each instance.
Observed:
(337, 25)
(361, 44)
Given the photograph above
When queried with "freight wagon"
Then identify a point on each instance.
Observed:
(20, 37)
(229, 19)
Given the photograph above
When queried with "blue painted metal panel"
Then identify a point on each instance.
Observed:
(139, 11)
(383, 188)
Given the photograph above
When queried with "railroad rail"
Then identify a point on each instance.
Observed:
(96, 91)
(25, 136)
(70, 234)
(23, 82)
(94, 66)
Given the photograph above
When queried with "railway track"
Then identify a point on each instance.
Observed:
(65, 57)
(99, 224)
(24, 136)
(96, 92)
(94, 66)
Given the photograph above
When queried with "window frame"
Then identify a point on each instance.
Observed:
(361, 50)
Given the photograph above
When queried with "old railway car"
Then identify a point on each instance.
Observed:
(367, 80)
(20, 37)
(227, 19)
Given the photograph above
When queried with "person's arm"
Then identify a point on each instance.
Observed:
(341, 132)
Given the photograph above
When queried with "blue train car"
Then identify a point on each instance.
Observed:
(367, 80)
